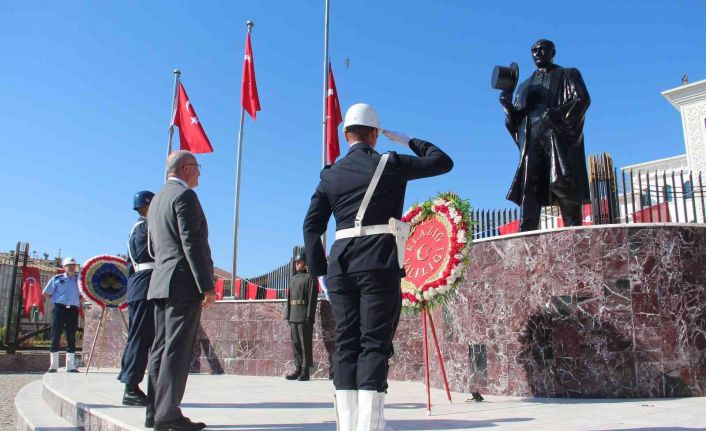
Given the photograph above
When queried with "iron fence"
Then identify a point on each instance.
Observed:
(25, 328)
(270, 285)
(625, 196)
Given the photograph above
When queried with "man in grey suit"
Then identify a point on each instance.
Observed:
(182, 283)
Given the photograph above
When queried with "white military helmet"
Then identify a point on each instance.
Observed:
(362, 114)
(69, 261)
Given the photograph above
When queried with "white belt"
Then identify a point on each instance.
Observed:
(143, 266)
(395, 227)
(354, 232)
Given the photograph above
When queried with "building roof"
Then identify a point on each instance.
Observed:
(669, 163)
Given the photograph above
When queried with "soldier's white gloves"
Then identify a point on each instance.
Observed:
(322, 283)
(397, 137)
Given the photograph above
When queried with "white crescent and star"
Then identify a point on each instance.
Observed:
(194, 119)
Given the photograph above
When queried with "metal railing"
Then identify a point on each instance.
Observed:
(20, 331)
(270, 285)
(626, 196)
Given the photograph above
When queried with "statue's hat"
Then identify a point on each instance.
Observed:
(505, 78)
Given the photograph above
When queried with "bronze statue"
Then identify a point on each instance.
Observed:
(546, 122)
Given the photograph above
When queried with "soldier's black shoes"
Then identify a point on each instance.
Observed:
(304, 377)
(51, 370)
(295, 375)
(73, 370)
(134, 396)
(181, 424)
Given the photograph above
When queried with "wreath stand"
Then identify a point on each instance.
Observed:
(105, 311)
(426, 314)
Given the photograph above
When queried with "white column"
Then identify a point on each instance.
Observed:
(690, 101)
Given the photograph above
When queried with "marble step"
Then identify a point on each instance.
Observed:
(90, 402)
(33, 414)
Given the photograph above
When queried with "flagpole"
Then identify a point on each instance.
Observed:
(323, 121)
(177, 74)
(250, 25)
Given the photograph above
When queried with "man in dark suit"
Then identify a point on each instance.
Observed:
(363, 272)
(182, 283)
(140, 310)
(546, 121)
(300, 312)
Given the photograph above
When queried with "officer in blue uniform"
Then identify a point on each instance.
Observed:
(141, 311)
(65, 297)
(365, 193)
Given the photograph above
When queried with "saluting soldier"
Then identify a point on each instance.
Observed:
(365, 193)
(141, 311)
(300, 312)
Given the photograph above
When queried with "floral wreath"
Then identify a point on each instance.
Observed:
(447, 220)
(103, 280)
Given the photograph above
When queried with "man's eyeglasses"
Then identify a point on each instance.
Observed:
(193, 164)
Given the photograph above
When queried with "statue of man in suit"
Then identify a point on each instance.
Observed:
(546, 122)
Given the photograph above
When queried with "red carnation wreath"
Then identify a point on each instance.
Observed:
(436, 251)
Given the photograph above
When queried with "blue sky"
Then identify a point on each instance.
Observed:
(86, 90)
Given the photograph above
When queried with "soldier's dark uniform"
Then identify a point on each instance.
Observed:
(300, 312)
(141, 315)
(363, 274)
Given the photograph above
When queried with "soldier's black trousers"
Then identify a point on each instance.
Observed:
(64, 319)
(139, 340)
(301, 343)
(366, 308)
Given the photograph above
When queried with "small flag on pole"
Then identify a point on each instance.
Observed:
(333, 119)
(31, 290)
(249, 97)
(191, 134)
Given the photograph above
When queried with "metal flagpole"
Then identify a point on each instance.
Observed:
(323, 125)
(177, 74)
(250, 25)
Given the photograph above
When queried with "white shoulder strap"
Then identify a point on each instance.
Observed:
(358, 223)
(129, 248)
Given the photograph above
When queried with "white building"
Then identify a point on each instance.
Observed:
(674, 184)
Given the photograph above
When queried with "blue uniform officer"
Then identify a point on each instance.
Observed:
(141, 311)
(63, 291)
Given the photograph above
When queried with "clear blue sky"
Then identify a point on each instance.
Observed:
(86, 90)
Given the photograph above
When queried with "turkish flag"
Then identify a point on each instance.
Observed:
(248, 96)
(333, 119)
(220, 283)
(31, 290)
(191, 135)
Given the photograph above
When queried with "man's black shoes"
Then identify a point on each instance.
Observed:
(304, 377)
(149, 423)
(181, 424)
(295, 375)
(134, 396)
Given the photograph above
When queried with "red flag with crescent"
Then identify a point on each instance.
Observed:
(192, 137)
(333, 119)
(249, 97)
(31, 290)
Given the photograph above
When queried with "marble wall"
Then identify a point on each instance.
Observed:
(578, 312)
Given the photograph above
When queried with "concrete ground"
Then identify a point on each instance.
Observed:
(10, 383)
(248, 403)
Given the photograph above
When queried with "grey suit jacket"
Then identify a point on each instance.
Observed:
(179, 238)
